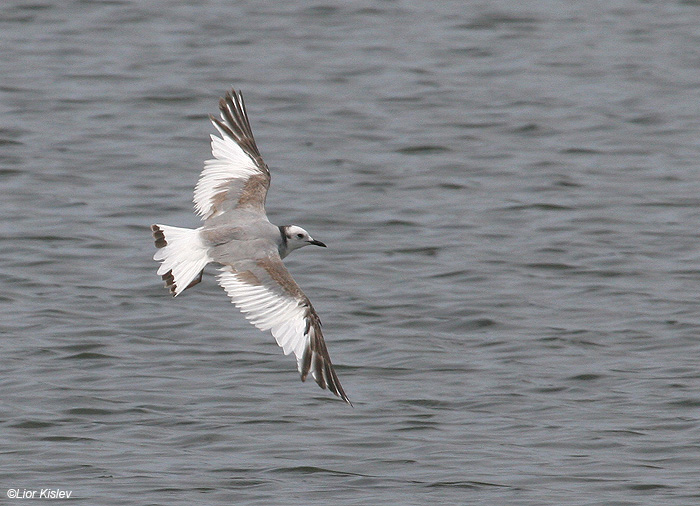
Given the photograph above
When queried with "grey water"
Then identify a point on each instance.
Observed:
(510, 193)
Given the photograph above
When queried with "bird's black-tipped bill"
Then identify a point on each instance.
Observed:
(317, 243)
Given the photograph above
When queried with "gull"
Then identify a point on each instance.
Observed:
(236, 233)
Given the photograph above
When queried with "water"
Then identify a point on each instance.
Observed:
(510, 198)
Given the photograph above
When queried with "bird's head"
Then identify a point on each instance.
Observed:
(296, 237)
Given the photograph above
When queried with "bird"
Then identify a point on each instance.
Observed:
(230, 197)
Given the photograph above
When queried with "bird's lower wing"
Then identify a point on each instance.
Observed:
(269, 297)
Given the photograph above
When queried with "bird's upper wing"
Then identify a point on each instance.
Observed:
(265, 292)
(236, 177)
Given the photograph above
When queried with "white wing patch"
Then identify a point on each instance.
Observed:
(268, 309)
(230, 162)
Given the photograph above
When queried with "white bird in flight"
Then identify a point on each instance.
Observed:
(230, 198)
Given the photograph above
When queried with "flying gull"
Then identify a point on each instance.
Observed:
(230, 198)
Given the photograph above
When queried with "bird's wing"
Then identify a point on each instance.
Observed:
(236, 177)
(267, 295)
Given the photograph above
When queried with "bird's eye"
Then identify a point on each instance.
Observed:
(300, 236)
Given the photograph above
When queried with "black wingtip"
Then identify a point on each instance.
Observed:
(234, 121)
(342, 395)
(334, 385)
(317, 361)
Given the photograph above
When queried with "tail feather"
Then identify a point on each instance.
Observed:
(182, 255)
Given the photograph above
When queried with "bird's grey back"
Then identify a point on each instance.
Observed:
(240, 235)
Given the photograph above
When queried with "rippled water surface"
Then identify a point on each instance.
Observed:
(511, 198)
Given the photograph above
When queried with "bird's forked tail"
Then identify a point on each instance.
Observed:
(182, 255)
